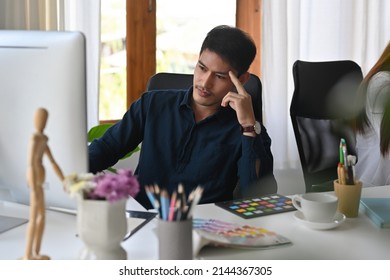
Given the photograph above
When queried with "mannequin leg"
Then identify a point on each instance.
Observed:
(40, 226)
(31, 229)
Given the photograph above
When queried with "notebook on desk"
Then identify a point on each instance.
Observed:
(378, 210)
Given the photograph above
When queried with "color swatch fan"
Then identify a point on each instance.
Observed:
(220, 233)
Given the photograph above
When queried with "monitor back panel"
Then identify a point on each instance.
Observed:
(42, 69)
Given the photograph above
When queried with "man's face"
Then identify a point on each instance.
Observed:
(211, 79)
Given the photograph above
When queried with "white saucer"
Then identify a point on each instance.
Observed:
(338, 219)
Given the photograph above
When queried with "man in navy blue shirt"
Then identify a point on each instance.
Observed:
(206, 135)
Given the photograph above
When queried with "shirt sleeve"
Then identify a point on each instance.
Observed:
(256, 149)
(120, 139)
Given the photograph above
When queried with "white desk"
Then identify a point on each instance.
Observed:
(356, 238)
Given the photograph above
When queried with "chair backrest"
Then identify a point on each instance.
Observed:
(165, 80)
(320, 111)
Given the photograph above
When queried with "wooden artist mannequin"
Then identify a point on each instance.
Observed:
(38, 147)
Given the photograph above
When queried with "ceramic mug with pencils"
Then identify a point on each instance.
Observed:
(175, 220)
(175, 240)
(349, 198)
(347, 188)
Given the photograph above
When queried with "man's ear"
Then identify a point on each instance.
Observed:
(244, 77)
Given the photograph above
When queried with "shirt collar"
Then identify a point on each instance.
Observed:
(223, 114)
(186, 101)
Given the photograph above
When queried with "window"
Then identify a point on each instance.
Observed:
(112, 99)
(161, 35)
(181, 28)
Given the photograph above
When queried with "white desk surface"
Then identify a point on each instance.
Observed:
(356, 238)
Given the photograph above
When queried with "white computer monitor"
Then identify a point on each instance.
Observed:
(42, 69)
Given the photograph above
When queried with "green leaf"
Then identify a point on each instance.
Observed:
(98, 131)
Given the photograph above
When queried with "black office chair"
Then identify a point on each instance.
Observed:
(165, 80)
(320, 111)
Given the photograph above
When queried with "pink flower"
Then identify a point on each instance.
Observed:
(106, 186)
(114, 187)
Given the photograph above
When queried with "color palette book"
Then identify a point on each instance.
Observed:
(258, 206)
(226, 234)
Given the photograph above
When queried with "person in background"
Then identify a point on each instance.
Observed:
(206, 135)
(373, 125)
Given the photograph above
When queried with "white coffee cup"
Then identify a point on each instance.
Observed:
(316, 207)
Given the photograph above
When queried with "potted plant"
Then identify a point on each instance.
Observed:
(98, 131)
(101, 210)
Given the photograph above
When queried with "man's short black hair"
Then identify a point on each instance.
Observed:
(234, 46)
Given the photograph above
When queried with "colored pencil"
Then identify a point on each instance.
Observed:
(197, 196)
(150, 194)
(164, 200)
(172, 207)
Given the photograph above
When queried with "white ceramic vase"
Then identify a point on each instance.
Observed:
(102, 225)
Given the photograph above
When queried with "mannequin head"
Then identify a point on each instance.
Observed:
(40, 119)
